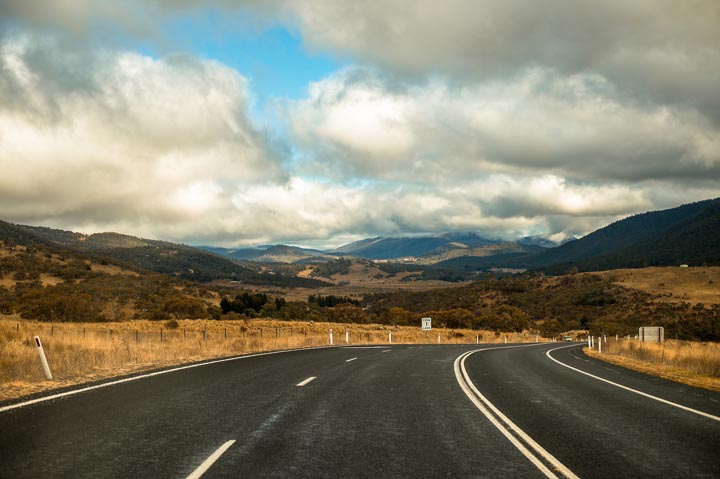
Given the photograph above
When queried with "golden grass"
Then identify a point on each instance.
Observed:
(672, 284)
(82, 352)
(693, 363)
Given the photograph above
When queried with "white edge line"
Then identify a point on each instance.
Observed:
(351, 359)
(386, 351)
(650, 396)
(307, 381)
(202, 468)
(143, 376)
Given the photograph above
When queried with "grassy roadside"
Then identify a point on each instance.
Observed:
(85, 352)
(692, 363)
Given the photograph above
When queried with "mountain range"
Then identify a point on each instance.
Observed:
(687, 234)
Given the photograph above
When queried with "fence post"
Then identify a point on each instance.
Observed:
(161, 335)
(43, 359)
(225, 331)
(277, 332)
(137, 338)
(203, 335)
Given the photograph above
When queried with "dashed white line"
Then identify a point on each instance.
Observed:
(351, 359)
(146, 375)
(386, 351)
(202, 468)
(306, 381)
(650, 396)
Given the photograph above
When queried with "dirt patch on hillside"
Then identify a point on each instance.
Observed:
(672, 284)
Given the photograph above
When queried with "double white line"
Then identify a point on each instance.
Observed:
(535, 453)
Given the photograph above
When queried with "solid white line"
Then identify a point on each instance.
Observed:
(351, 359)
(143, 376)
(485, 406)
(202, 469)
(307, 381)
(650, 396)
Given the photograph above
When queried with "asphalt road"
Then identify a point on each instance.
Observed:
(395, 411)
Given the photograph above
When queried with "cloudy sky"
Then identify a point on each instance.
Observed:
(317, 122)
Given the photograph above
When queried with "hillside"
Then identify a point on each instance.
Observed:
(666, 237)
(694, 241)
(159, 256)
(54, 284)
(603, 303)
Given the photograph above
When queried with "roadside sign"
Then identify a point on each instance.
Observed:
(426, 324)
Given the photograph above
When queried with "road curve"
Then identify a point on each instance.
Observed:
(395, 411)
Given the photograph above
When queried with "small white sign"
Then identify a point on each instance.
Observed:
(426, 324)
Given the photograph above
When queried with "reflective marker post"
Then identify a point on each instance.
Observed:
(331, 339)
(43, 359)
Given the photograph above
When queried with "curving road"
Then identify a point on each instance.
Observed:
(395, 411)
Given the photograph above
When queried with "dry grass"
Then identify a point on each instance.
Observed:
(693, 363)
(672, 284)
(79, 352)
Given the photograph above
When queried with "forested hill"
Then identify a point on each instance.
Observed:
(686, 234)
(694, 241)
(159, 256)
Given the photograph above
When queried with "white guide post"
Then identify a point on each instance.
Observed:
(347, 337)
(477, 339)
(331, 339)
(438, 338)
(43, 359)
(599, 346)
(390, 337)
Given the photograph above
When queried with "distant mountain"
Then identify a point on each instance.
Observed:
(159, 256)
(657, 237)
(273, 254)
(382, 248)
(545, 242)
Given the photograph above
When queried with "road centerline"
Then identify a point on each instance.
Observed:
(351, 359)
(207, 463)
(306, 381)
(519, 438)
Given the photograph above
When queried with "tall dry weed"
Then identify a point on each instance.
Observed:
(696, 357)
(80, 352)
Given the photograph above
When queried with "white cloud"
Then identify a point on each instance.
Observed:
(358, 122)
(156, 140)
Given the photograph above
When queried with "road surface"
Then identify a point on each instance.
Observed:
(388, 411)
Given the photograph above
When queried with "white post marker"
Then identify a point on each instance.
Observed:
(537, 338)
(347, 337)
(43, 359)
(331, 340)
(505, 339)
(438, 338)
(589, 345)
(599, 346)
(390, 337)
(477, 339)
